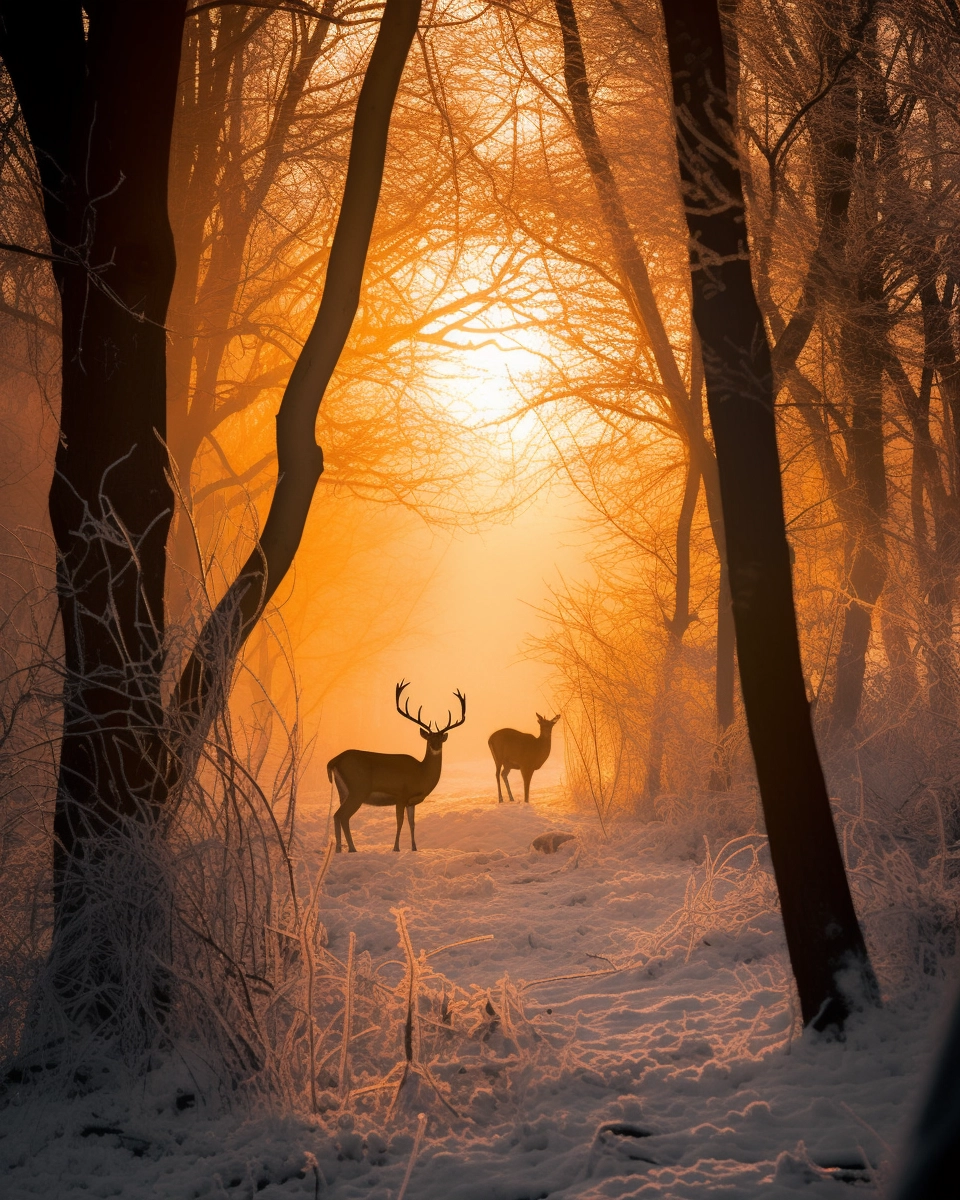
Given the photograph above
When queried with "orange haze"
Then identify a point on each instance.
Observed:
(467, 631)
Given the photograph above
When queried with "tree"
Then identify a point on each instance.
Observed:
(96, 84)
(684, 403)
(826, 947)
(259, 155)
(98, 106)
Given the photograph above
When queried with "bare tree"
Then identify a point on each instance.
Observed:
(823, 936)
(97, 94)
(683, 399)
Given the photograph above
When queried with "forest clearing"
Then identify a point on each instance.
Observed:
(479, 598)
(691, 1046)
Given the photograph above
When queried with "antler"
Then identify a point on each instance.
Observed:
(405, 711)
(451, 723)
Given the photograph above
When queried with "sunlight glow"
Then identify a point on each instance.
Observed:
(488, 379)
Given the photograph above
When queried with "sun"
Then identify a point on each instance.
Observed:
(487, 381)
(488, 358)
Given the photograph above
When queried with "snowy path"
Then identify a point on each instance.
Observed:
(690, 1059)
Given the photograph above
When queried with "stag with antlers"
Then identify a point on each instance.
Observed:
(365, 777)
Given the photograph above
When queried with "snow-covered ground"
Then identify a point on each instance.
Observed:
(666, 1064)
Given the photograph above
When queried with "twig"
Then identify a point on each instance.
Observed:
(421, 1128)
(582, 975)
(347, 1022)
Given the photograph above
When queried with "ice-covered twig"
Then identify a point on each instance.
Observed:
(418, 1138)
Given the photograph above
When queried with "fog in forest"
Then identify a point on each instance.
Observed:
(466, 608)
(479, 598)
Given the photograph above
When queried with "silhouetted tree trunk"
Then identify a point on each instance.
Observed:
(98, 107)
(676, 626)
(930, 1170)
(686, 405)
(823, 936)
(208, 671)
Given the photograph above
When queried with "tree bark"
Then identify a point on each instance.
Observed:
(929, 1171)
(208, 671)
(825, 943)
(209, 178)
(676, 627)
(685, 405)
(98, 108)
(861, 365)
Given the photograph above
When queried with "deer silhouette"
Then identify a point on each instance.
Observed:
(515, 751)
(365, 777)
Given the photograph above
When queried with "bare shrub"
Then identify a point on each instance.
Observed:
(29, 691)
(210, 910)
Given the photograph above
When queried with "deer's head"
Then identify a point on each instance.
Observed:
(547, 723)
(433, 737)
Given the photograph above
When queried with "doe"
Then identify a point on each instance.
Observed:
(365, 777)
(522, 752)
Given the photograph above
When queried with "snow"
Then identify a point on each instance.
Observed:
(667, 1064)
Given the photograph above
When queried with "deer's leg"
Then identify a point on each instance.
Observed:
(342, 795)
(401, 808)
(345, 812)
(527, 776)
(497, 766)
(411, 818)
(506, 779)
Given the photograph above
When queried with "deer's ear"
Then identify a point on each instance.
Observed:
(424, 734)
(539, 718)
(445, 736)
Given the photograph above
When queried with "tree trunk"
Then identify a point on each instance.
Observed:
(208, 671)
(863, 376)
(686, 406)
(827, 951)
(99, 111)
(217, 194)
(677, 626)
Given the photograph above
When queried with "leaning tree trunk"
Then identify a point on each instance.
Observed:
(98, 108)
(206, 676)
(218, 190)
(825, 943)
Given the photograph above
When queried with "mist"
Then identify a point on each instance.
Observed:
(590, 371)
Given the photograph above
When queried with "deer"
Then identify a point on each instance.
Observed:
(523, 752)
(365, 777)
